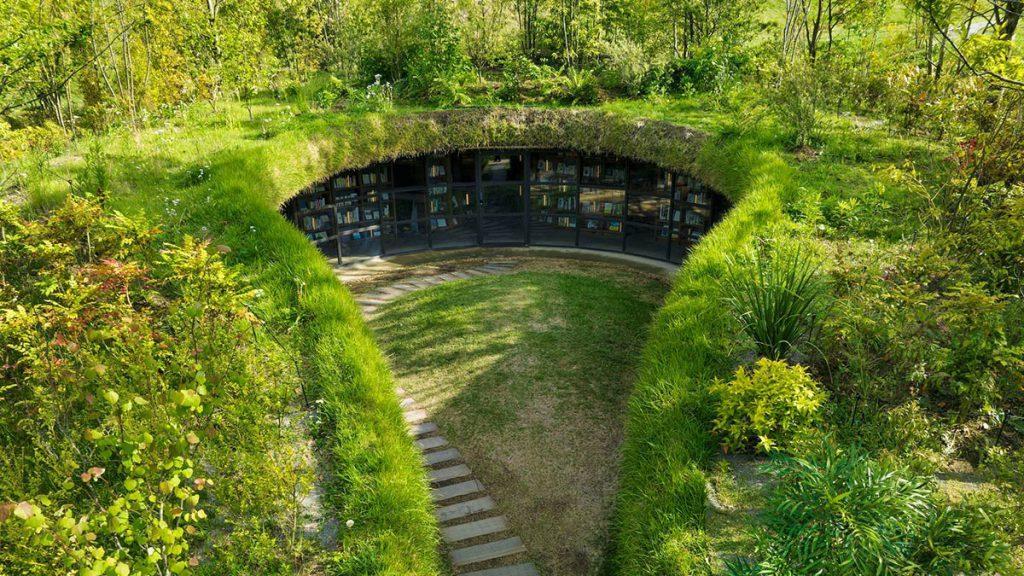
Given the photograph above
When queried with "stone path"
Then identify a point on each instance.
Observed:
(477, 535)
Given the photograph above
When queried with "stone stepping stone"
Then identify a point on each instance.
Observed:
(431, 443)
(455, 490)
(407, 402)
(446, 455)
(476, 273)
(422, 428)
(487, 551)
(415, 416)
(450, 473)
(463, 509)
(461, 275)
(403, 287)
(365, 300)
(474, 529)
(516, 570)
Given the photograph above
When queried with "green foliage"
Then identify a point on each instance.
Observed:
(777, 296)
(149, 385)
(795, 98)
(767, 406)
(836, 511)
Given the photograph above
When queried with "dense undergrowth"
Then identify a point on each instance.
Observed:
(857, 203)
(221, 177)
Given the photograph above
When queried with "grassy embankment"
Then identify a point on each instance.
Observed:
(222, 176)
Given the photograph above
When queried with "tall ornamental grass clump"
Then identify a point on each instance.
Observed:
(776, 295)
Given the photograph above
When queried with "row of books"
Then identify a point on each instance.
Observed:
(604, 208)
(317, 236)
(313, 223)
(348, 216)
(607, 174)
(315, 203)
(550, 169)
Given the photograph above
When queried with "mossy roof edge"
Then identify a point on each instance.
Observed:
(359, 141)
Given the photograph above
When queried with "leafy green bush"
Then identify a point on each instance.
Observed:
(766, 406)
(776, 295)
(578, 87)
(142, 407)
(838, 512)
(796, 98)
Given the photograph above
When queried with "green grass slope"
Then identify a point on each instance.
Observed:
(223, 176)
(661, 506)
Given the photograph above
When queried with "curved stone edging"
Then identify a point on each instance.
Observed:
(470, 523)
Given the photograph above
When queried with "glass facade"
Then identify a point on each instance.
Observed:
(507, 198)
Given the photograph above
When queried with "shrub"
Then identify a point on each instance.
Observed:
(145, 404)
(776, 297)
(838, 512)
(796, 98)
(579, 87)
(766, 406)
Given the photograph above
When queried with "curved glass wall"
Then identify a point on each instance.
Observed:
(507, 198)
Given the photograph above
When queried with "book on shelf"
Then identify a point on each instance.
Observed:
(313, 223)
(614, 225)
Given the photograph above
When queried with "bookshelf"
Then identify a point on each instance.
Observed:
(510, 197)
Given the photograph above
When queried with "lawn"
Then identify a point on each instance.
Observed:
(528, 374)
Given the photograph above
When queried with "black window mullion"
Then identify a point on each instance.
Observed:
(671, 216)
(478, 177)
(625, 207)
(579, 204)
(527, 177)
(426, 200)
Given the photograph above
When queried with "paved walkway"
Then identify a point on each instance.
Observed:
(478, 536)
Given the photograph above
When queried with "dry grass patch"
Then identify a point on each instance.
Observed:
(527, 374)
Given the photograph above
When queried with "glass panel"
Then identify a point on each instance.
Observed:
(406, 206)
(554, 167)
(552, 229)
(361, 242)
(345, 180)
(409, 172)
(443, 201)
(602, 233)
(503, 230)
(644, 177)
(552, 199)
(464, 167)
(347, 209)
(377, 176)
(370, 204)
(604, 171)
(650, 241)
(502, 167)
(451, 232)
(651, 210)
(602, 202)
(404, 236)
(502, 199)
(437, 171)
